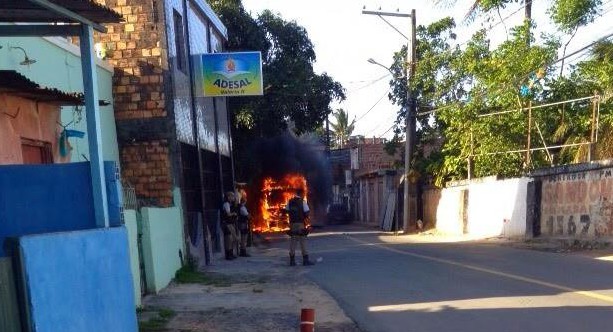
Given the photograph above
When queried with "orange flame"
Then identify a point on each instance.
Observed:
(275, 193)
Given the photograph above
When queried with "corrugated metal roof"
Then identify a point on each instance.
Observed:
(18, 85)
(25, 11)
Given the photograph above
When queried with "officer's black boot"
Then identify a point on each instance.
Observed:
(306, 261)
(292, 260)
(243, 253)
(229, 255)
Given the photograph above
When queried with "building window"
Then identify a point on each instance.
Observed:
(36, 152)
(179, 41)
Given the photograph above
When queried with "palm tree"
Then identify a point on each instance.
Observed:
(342, 127)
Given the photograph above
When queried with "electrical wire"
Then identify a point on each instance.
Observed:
(380, 124)
(385, 132)
(369, 84)
(373, 106)
(582, 49)
(527, 75)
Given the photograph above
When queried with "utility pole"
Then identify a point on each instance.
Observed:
(409, 104)
(328, 136)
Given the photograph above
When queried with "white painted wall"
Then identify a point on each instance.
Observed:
(448, 218)
(495, 208)
(498, 208)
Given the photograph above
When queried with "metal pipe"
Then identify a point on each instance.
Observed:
(535, 107)
(532, 149)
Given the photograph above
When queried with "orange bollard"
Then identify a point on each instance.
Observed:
(307, 320)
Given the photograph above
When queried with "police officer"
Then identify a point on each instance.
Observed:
(298, 211)
(243, 225)
(229, 216)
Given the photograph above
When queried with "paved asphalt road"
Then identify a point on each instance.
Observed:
(422, 287)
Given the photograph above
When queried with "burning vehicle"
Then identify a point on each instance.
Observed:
(274, 195)
(280, 166)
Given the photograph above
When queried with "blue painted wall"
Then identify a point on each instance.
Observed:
(79, 281)
(38, 199)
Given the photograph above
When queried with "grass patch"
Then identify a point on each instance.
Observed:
(167, 313)
(156, 323)
(188, 275)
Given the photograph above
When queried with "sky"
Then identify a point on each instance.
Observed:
(344, 39)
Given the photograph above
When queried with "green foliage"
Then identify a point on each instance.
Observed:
(188, 275)
(341, 127)
(466, 85)
(293, 92)
(167, 313)
(157, 320)
(570, 14)
(599, 69)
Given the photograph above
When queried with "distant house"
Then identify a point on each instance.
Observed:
(376, 179)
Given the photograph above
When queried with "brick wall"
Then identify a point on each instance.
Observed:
(373, 157)
(137, 49)
(147, 166)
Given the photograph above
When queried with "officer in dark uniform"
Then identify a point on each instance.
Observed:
(229, 217)
(298, 211)
(243, 225)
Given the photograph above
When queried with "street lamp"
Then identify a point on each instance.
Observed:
(374, 62)
(408, 105)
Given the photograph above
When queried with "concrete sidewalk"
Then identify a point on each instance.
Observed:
(587, 246)
(259, 293)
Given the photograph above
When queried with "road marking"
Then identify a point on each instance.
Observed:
(589, 294)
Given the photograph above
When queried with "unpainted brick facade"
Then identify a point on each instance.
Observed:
(373, 157)
(138, 51)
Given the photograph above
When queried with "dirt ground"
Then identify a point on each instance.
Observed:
(259, 293)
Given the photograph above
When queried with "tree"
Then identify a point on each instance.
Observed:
(342, 127)
(467, 84)
(464, 85)
(293, 92)
(568, 15)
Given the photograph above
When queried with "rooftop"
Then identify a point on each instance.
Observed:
(39, 11)
(18, 85)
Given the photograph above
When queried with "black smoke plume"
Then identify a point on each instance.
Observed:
(284, 154)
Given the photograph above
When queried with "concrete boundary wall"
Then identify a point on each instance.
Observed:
(78, 281)
(448, 212)
(498, 208)
(163, 245)
(131, 223)
(36, 199)
(483, 207)
(576, 201)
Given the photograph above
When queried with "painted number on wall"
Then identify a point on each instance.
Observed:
(555, 226)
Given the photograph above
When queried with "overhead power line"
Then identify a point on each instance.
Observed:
(370, 83)
(373, 106)
(523, 77)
